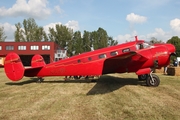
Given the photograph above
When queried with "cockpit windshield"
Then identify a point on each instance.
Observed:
(142, 45)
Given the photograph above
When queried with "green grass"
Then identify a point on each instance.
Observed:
(112, 97)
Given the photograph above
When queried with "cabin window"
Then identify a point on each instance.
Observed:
(114, 53)
(9, 47)
(79, 61)
(45, 47)
(0, 47)
(34, 47)
(89, 58)
(21, 47)
(102, 56)
(126, 50)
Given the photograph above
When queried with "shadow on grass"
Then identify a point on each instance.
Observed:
(32, 80)
(105, 84)
(108, 84)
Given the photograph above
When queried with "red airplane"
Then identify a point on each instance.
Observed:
(136, 56)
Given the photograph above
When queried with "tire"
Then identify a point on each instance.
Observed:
(143, 77)
(156, 81)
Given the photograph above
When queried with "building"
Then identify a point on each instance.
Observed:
(26, 50)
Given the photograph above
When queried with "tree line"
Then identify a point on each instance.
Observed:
(73, 42)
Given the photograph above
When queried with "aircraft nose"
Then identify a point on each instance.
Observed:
(171, 48)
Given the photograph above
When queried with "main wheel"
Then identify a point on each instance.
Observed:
(142, 77)
(154, 81)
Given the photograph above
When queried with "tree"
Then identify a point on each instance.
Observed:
(87, 43)
(18, 35)
(30, 31)
(154, 40)
(94, 39)
(78, 43)
(112, 42)
(61, 35)
(102, 38)
(2, 34)
(175, 40)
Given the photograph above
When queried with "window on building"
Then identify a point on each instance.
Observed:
(21, 47)
(0, 47)
(10, 47)
(45, 47)
(114, 53)
(34, 47)
(102, 56)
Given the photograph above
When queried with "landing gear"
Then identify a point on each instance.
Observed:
(143, 77)
(40, 79)
(153, 80)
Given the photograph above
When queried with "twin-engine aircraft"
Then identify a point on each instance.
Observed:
(135, 56)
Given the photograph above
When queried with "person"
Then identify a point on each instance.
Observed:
(165, 69)
(175, 63)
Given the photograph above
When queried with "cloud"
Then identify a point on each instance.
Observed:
(73, 25)
(9, 31)
(133, 18)
(31, 8)
(158, 33)
(58, 9)
(70, 24)
(175, 25)
(51, 25)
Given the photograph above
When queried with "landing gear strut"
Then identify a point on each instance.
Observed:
(40, 79)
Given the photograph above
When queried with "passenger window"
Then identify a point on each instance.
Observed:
(102, 56)
(79, 61)
(114, 53)
(89, 58)
(126, 50)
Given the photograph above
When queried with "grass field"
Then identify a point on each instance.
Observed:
(112, 97)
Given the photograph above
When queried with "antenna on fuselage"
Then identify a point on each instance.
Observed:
(136, 38)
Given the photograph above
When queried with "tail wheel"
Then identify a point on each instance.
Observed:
(40, 79)
(153, 80)
(142, 77)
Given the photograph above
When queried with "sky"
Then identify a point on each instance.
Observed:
(122, 19)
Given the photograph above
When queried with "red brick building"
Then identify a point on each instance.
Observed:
(49, 50)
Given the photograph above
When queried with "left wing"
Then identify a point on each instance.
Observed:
(112, 64)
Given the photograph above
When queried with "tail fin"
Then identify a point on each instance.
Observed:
(13, 67)
(37, 61)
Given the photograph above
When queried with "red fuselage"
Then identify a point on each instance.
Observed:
(127, 57)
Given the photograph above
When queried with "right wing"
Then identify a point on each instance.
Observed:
(112, 64)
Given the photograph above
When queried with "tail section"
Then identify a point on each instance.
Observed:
(37, 61)
(13, 67)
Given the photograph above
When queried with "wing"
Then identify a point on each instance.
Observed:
(112, 64)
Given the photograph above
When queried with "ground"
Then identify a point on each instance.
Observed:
(112, 97)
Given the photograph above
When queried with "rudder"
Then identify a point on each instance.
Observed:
(13, 67)
(37, 61)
